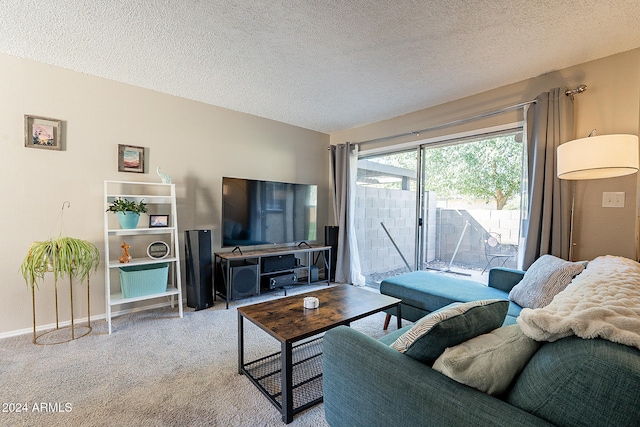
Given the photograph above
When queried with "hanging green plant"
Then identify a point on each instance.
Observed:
(62, 256)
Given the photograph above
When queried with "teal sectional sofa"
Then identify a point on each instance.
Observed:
(423, 292)
(570, 382)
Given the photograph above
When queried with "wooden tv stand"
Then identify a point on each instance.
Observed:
(252, 260)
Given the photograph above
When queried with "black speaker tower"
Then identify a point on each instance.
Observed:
(199, 269)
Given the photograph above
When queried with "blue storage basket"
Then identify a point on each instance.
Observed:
(141, 280)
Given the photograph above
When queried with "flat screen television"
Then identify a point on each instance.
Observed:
(256, 212)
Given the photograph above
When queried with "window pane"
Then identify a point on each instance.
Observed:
(471, 207)
(386, 198)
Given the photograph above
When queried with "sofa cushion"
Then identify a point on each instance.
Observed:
(546, 277)
(504, 279)
(575, 381)
(431, 291)
(488, 362)
(428, 338)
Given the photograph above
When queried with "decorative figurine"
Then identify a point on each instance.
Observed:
(166, 179)
(126, 257)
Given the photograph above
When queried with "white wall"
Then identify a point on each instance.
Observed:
(610, 105)
(195, 143)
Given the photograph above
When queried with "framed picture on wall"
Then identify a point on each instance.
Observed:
(42, 132)
(130, 158)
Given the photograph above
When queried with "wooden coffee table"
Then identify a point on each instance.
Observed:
(292, 378)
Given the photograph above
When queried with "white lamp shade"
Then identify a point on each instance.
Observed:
(604, 156)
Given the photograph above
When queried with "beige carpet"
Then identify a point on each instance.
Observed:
(154, 370)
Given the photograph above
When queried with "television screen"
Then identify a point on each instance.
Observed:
(258, 212)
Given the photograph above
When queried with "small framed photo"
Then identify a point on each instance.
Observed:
(130, 158)
(158, 221)
(42, 132)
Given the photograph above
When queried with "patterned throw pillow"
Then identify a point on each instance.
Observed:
(546, 277)
(450, 326)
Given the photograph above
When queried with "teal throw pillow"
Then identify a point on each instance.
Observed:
(432, 334)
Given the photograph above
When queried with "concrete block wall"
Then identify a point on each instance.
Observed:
(450, 229)
(396, 208)
(504, 222)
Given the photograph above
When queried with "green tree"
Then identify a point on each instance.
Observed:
(489, 169)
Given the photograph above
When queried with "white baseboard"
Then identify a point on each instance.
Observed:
(80, 321)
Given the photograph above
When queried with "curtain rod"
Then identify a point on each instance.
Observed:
(569, 92)
(449, 124)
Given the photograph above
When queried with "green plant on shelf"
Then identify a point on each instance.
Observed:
(125, 205)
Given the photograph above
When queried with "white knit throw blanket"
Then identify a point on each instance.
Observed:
(601, 302)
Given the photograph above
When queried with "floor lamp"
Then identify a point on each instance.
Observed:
(596, 157)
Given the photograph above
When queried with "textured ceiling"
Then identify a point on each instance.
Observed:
(324, 65)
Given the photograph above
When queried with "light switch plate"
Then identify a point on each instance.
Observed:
(613, 199)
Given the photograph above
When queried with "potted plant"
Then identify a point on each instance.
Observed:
(62, 256)
(128, 211)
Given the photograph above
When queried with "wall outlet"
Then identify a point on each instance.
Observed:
(613, 199)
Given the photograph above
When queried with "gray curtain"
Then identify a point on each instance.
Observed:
(546, 228)
(344, 166)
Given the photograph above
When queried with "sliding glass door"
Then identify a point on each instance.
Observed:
(452, 207)
(471, 204)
